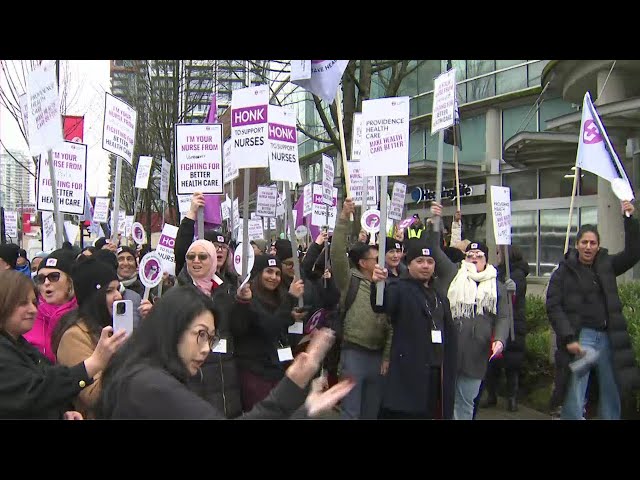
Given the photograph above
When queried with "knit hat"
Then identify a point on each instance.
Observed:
(90, 276)
(61, 259)
(283, 249)
(479, 246)
(417, 247)
(99, 243)
(9, 253)
(260, 243)
(106, 256)
(265, 261)
(216, 236)
(392, 244)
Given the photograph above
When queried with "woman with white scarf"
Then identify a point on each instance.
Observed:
(479, 307)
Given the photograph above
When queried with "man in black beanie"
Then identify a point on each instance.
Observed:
(423, 332)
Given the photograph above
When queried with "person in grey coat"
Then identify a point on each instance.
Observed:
(479, 307)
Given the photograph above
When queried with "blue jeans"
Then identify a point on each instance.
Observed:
(467, 389)
(364, 399)
(608, 398)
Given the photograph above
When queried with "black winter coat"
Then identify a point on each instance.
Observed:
(32, 388)
(406, 385)
(218, 381)
(566, 304)
(515, 349)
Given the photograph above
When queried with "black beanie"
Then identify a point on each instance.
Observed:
(479, 246)
(9, 253)
(265, 261)
(90, 276)
(417, 247)
(283, 249)
(99, 243)
(216, 236)
(61, 259)
(125, 249)
(106, 256)
(392, 244)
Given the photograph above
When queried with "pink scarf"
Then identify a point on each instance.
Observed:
(46, 320)
(206, 283)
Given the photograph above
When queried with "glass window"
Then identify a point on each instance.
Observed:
(473, 140)
(556, 182)
(553, 108)
(588, 216)
(535, 72)
(523, 185)
(518, 119)
(409, 84)
(426, 74)
(416, 146)
(424, 104)
(553, 231)
(478, 67)
(500, 64)
(461, 69)
(482, 88)
(588, 183)
(511, 80)
(524, 234)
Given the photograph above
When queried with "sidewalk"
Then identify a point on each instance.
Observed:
(500, 412)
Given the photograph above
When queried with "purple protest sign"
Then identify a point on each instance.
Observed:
(317, 320)
(407, 222)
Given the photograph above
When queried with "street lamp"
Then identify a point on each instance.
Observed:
(21, 208)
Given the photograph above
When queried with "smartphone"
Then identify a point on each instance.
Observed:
(123, 316)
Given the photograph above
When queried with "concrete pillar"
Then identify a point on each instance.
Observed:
(492, 167)
(609, 213)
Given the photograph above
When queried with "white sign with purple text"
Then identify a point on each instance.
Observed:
(319, 213)
(283, 145)
(101, 210)
(199, 158)
(444, 99)
(357, 182)
(250, 148)
(385, 137)
(165, 248)
(356, 139)
(266, 202)
(70, 163)
(307, 202)
(144, 169)
(327, 180)
(119, 131)
(44, 121)
(397, 201)
(501, 207)
(230, 168)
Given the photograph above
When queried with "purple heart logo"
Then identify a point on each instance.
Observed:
(591, 133)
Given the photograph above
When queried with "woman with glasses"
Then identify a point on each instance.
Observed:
(479, 307)
(30, 387)
(77, 334)
(56, 297)
(217, 380)
(146, 379)
(259, 324)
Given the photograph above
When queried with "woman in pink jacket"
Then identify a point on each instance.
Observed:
(55, 298)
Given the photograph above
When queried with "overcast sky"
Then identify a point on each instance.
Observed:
(88, 81)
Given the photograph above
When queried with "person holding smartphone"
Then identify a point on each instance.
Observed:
(77, 334)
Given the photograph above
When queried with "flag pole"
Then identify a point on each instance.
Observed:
(455, 166)
(343, 149)
(573, 196)
(293, 239)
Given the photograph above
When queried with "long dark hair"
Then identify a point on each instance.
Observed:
(93, 312)
(154, 343)
(271, 299)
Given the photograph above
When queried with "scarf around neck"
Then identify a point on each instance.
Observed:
(471, 289)
(127, 282)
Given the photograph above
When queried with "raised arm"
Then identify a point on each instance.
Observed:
(626, 259)
(339, 260)
(186, 231)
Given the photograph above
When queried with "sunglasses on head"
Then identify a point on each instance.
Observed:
(474, 254)
(53, 277)
(201, 256)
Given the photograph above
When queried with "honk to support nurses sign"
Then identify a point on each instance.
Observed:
(249, 106)
(70, 164)
(199, 158)
(283, 145)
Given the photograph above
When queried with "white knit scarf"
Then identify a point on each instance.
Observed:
(470, 288)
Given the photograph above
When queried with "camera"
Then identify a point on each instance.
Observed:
(121, 308)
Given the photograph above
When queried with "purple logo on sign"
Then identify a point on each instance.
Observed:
(372, 220)
(406, 222)
(590, 132)
(137, 232)
(248, 115)
(317, 320)
(152, 270)
(284, 133)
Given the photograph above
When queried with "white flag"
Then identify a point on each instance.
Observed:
(596, 154)
(325, 78)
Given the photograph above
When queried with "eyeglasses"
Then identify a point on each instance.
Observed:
(53, 277)
(474, 254)
(369, 258)
(201, 256)
(220, 246)
(204, 338)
